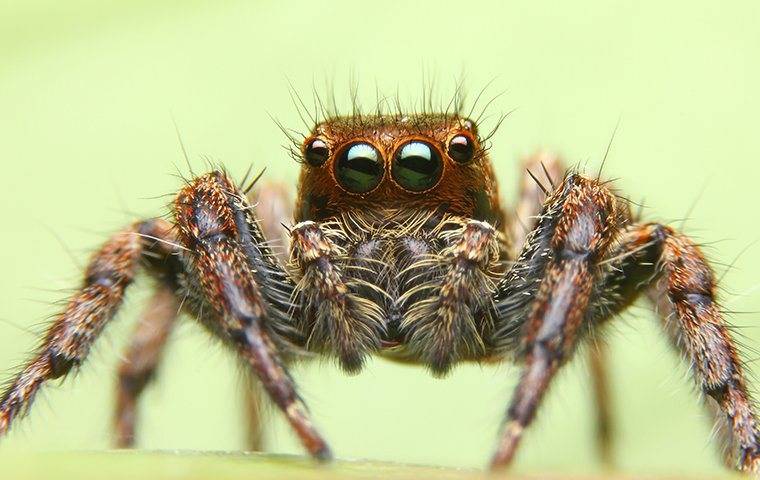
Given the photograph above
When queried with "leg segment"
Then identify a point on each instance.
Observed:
(238, 279)
(274, 209)
(69, 338)
(252, 403)
(550, 287)
(440, 324)
(685, 292)
(335, 316)
(548, 168)
(141, 359)
(597, 361)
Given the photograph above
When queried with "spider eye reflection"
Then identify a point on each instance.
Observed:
(359, 168)
(417, 166)
(316, 153)
(461, 149)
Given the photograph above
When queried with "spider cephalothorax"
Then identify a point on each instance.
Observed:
(399, 247)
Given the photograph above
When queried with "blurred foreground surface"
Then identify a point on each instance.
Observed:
(193, 465)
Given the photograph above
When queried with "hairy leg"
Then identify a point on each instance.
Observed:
(274, 209)
(69, 338)
(245, 292)
(334, 315)
(549, 169)
(439, 323)
(546, 294)
(141, 359)
(684, 289)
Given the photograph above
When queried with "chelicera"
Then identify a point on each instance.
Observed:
(400, 247)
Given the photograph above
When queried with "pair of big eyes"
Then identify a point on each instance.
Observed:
(417, 165)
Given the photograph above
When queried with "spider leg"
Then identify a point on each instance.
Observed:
(143, 354)
(439, 323)
(336, 316)
(598, 355)
(273, 209)
(547, 293)
(236, 278)
(140, 361)
(69, 338)
(549, 169)
(656, 258)
(546, 168)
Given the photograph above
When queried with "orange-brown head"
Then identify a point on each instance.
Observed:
(423, 161)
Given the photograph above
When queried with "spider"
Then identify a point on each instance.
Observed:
(399, 247)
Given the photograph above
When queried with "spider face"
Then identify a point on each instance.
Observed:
(392, 162)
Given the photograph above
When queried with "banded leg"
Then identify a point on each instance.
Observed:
(141, 359)
(656, 258)
(551, 286)
(243, 287)
(549, 168)
(69, 338)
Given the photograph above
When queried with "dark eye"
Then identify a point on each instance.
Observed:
(461, 149)
(417, 166)
(316, 153)
(359, 168)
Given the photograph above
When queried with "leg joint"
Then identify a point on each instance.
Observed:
(60, 364)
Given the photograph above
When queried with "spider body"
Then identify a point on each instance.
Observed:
(393, 241)
(401, 248)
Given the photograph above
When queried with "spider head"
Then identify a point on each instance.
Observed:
(391, 162)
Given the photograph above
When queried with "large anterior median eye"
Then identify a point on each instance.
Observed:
(359, 168)
(417, 166)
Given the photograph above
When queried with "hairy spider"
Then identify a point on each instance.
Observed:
(399, 247)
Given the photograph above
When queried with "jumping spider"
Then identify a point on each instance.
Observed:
(400, 248)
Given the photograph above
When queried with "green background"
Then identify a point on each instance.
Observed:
(88, 94)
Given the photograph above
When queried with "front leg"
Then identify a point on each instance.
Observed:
(540, 171)
(235, 274)
(337, 319)
(543, 301)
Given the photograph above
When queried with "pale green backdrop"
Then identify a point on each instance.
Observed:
(88, 92)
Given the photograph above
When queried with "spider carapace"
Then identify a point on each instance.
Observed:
(398, 246)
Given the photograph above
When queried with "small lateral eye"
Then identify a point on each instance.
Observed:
(359, 168)
(417, 166)
(461, 149)
(316, 152)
